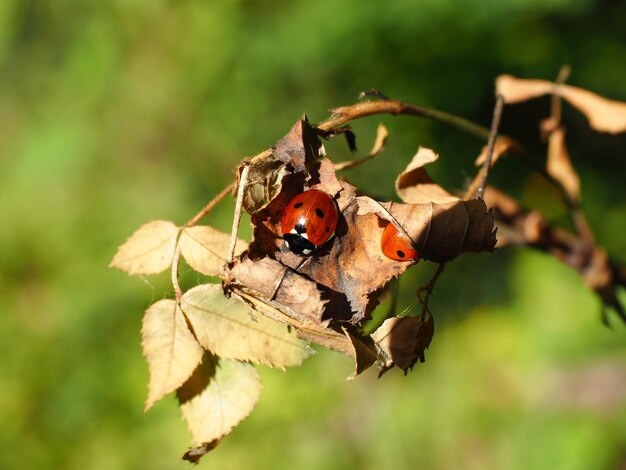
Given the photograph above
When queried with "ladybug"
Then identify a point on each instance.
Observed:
(309, 221)
(396, 245)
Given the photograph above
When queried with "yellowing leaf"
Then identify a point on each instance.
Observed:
(205, 248)
(225, 327)
(516, 90)
(218, 396)
(149, 250)
(603, 114)
(559, 165)
(170, 348)
(415, 186)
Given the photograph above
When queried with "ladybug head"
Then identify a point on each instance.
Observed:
(298, 244)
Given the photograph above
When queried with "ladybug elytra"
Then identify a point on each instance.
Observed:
(396, 245)
(309, 221)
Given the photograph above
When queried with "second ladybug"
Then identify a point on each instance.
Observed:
(396, 245)
(309, 221)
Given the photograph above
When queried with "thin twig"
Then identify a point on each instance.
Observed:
(243, 179)
(428, 290)
(206, 209)
(573, 204)
(555, 108)
(493, 134)
(345, 114)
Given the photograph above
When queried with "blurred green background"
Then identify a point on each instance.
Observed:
(118, 112)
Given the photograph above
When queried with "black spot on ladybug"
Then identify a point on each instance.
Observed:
(327, 229)
(298, 205)
(319, 212)
(400, 253)
(300, 228)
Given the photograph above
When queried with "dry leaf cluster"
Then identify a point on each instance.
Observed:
(271, 303)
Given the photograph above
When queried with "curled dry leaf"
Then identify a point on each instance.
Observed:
(225, 327)
(205, 249)
(217, 397)
(264, 181)
(516, 90)
(351, 269)
(603, 114)
(379, 145)
(559, 165)
(170, 348)
(441, 232)
(300, 147)
(353, 266)
(149, 250)
(404, 340)
(415, 186)
(364, 354)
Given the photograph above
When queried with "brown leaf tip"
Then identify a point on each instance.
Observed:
(194, 454)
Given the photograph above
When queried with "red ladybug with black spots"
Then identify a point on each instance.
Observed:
(396, 245)
(309, 221)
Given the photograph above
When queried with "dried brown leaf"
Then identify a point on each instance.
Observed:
(404, 340)
(297, 297)
(205, 249)
(351, 270)
(603, 114)
(300, 148)
(149, 250)
(379, 145)
(264, 181)
(415, 186)
(353, 266)
(559, 165)
(217, 397)
(364, 355)
(170, 348)
(516, 90)
(225, 327)
(440, 232)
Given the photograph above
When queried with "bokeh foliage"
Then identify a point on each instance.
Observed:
(115, 113)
